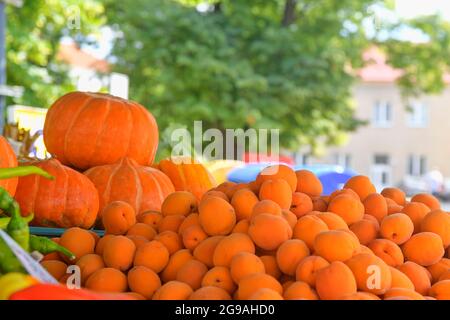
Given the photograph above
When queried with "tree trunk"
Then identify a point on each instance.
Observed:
(289, 12)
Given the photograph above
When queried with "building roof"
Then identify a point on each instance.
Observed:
(74, 56)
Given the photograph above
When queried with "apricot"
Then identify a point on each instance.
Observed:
(102, 242)
(107, 280)
(348, 208)
(226, 188)
(397, 227)
(176, 261)
(241, 226)
(361, 296)
(416, 211)
(301, 204)
(271, 266)
(394, 194)
(179, 203)
(289, 255)
(307, 182)
(290, 218)
(300, 290)
(171, 223)
(192, 236)
(231, 245)
(119, 253)
(307, 268)
(361, 185)
(216, 216)
(134, 296)
(440, 290)
(444, 276)
(245, 263)
(335, 245)
(388, 251)
(250, 284)
(266, 294)
(153, 255)
(275, 172)
(400, 280)
(118, 217)
(56, 268)
(268, 231)
(366, 230)
(243, 202)
(402, 293)
(340, 192)
(152, 218)
(79, 241)
(88, 264)
(173, 290)
(332, 220)
(171, 240)
(335, 281)
(393, 207)
(437, 221)
(418, 275)
(210, 293)
(319, 204)
(307, 228)
(192, 273)
(143, 281)
(219, 277)
(424, 248)
(438, 268)
(376, 206)
(95, 236)
(429, 200)
(204, 252)
(189, 221)
(143, 230)
(278, 191)
(137, 240)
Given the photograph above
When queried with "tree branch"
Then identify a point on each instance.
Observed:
(289, 12)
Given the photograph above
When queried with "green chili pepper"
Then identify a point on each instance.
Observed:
(6, 173)
(8, 260)
(17, 226)
(45, 245)
(5, 221)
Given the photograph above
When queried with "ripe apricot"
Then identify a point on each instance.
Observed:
(387, 250)
(319, 204)
(107, 280)
(361, 185)
(171, 223)
(266, 206)
(56, 268)
(348, 208)
(137, 240)
(277, 190)
(300, 290)
(192, 273)
(79, 241)
(400, 280)
(173, 290)
(227, 188)
(307, 228)
(441, 290)
(153, 255)
(88, 264)
(243, 202)
(307, 182)
(204, 252)
(444, 276)
(176, 261)
(271, 266)
(143, 281)
(361, 296)
(192, 236)
(275, 172)
(243, 264)
(102, 242)
(395, 194)
(219, 277)
(429, 200)
(416, 211)
(171, 240)
(134, 296)
(301, 204)
(335, 281)
(265, 294)
(393, 207)
(268, 231)
(189, 221)
(424, 248)
(179, 203)
(253, 282)
(119, 253)
(95, 235)
(437, 221)
(216, 216)
(241, 226)
(332, 220)
(340, 192)
(418, 275)
(438, 268)
(143, 230)
(210, 293)
(231, 245)
(306, 270)
(366, 230)
(289, 255)
(376, 206)
(215, 193)
(397, 227)
(290, 218)
(152, 218)
(118, 217)
(335, 245)
(402, 293)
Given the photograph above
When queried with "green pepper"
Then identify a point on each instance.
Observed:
(45, 246)
(17, 226)
(5, 221)
(8, 260)
(6, 173)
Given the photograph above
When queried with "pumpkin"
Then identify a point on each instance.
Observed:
(7, 160)
(69, 200)
(188, 175)
(84, 130)
(144, 188)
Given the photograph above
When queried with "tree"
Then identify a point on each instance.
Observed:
(34, 32)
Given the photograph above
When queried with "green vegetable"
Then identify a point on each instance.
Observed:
(45, 246)
(6, 173)
(17, 226)
(5, 221)
(8, 260)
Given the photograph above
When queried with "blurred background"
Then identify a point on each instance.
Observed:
(356, 85)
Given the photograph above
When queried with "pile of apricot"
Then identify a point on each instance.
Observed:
(277, 237)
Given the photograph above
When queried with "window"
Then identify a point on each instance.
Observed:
(342, 159)
(382, 114)
(417, 165)
(417, 116)
(381, 172)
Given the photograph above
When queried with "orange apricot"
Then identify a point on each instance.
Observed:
(171, 240)
(253, 282)
(204, 252)
(152, 218)
(119, 253)
(173, 290)
(176, 261)
(266, 294)
(137, 240)
(190, 220)
(215, 193)
(79, 241)
(88, 264)
(290, 218)
(243, 202)
(438, 268)
(402, 293)
(179, 203)
(231, 245)
(395, 194)
(143, 230)
(361, 296)
(227, 188)
(348, 208)
(192, 236)
(340, 192)
(219, 277)
(424, 248)
(216, 216)
(153, 255)
(301, 204)
(107, 280)
(243, 264)
(266, 206)
(441, 290)
(277, 190)
(332, 220)
(56, 268)
(171, 223)
(271, 266)
(300, 290)
(306, 270)
(143, 281)
(388, 251)
(268, 231)
(366, 230)
(418, 275)
(429, 200)
(361, 185)
(416, 211)
(210, 293)
(400, 280)
(335, 245)
(376, 206)
(289, 255)
(396, 227)
(319, 204)
(335, 281)
(307, 228)
(118, 217)
(101, 243)
(307, 182)
(437, 221)
(241, 226)
(275, 172)
(444, 276)
(192, 273)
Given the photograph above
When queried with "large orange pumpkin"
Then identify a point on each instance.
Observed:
(70, 200)
(144, 188)
(7, 160)
(84, 130)
(187, 175)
